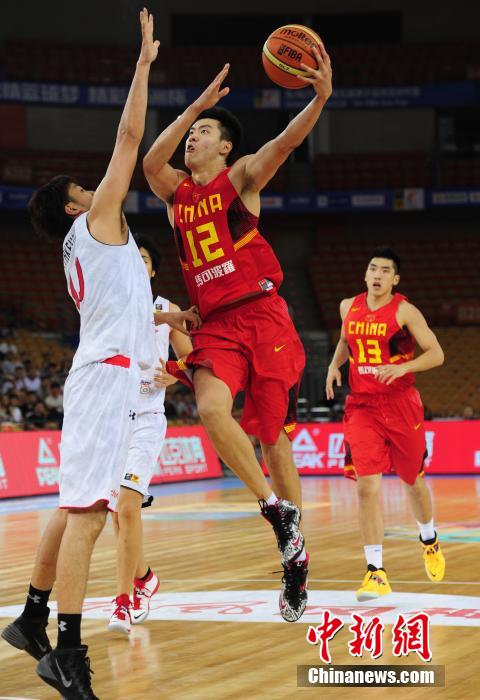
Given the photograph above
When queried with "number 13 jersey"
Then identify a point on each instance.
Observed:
(374, 338)
(223, 256)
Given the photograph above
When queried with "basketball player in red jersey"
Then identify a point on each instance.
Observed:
(383, 422)
(247, 340)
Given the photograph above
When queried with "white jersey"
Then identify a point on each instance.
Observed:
(152, 398)
(111, 290)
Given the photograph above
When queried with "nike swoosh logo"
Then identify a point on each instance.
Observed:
(356, 308)
(279, 347)
(416, 427)
(66, 683)
(135, 617)
(297, 541)
(42, 648)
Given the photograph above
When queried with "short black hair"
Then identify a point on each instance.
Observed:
(145, 242)
(230, 127)
(383, 251)
(47, 208)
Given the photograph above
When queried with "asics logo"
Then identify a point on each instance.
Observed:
(66, 683)
(279, 347)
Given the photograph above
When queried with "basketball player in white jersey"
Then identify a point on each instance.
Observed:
(145, 446)
(107, 280)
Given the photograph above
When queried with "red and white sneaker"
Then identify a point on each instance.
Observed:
(142, 594)
(120, 621)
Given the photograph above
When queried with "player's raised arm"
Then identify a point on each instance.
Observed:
(262, 166)
(104, 217)
(162, 178)
(432, 356)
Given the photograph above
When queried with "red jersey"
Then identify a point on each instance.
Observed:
(374, 338)
(223, 256)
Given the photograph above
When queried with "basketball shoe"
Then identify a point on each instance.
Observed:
(374, 585)
(285, 519)
(69, 672)
(293, 597)
(120, 620)
(28, 635)
(143, 591)
(434, 559)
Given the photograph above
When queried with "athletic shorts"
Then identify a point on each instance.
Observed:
(145, 446)
(385, 433)
(253, 347)
(100, 403)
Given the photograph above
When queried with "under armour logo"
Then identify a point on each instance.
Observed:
(62, 626)
(132, 415)
(35, 598)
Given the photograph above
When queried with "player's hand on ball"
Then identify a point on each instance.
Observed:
(321, 78)
(386, 374)
(162, 378)
(334, 375)
(149, 50)
(214, 91)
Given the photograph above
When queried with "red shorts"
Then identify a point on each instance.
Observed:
(385, 433)
(253, 347)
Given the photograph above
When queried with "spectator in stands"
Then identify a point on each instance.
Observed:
(8, 383)
(15, 411)
(6, 346)
(29, 403)
(54, 400)
(19, 377)
(32, 380)
(181, 405)
(469, 413)
(37, 419)
(8, 364)
(5, 409)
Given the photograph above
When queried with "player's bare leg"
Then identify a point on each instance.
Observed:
(28, 632)
(375, 582)
(129, 538)
(420, 500)
(370, 509)
(421, 503)
(282, 469)
(214, 402)
(81, 532)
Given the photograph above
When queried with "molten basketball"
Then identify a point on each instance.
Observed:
(283, 52)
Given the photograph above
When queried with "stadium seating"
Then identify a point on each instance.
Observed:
(386, 64)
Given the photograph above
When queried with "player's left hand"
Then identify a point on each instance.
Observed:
(321, 78)
(162, 378)
(386, 374)
(149, 50)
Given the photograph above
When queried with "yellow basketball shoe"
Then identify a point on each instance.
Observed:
(374, 585)
(434, 560)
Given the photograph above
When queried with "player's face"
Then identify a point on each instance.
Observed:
(204, 143)
(381, 276)
(148, 262)
(79, 198)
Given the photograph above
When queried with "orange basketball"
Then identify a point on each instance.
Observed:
(283, 52)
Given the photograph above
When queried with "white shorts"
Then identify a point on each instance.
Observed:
(145, 446)
(100, 410)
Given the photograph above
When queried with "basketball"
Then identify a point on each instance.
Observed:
(283, 52)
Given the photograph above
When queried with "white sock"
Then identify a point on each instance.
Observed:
(302, 556)
(272, 499)
(373, 555)
(427, 531)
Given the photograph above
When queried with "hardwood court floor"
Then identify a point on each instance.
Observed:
(206, 541)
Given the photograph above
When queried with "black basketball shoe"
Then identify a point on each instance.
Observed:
(293, 597)
(28, 634)
(285, 519)
(68, 670)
